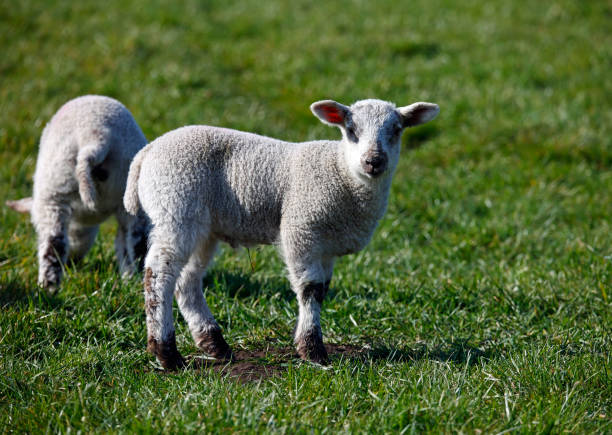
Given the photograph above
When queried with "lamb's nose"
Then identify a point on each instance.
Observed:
(375, 161)
(374, 164)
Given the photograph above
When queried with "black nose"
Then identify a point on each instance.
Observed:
(374, 163)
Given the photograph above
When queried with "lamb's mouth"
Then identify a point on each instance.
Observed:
(374, 171)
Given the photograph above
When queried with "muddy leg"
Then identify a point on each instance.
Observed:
(202, 324)
(163, 264)
(308, 335)
(51, 221)
(309, 283)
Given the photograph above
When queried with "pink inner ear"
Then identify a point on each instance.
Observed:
(332, 114)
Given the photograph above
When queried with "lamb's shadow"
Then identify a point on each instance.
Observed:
(459, 351)
(418, 137)
(253, 365)
(14, 292)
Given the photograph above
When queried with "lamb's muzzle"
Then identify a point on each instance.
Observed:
(374, 163)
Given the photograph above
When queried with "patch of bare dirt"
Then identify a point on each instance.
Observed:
(253, 365)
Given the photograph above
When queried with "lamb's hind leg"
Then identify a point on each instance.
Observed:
(167, 256)
(202, 324)
(124, 243)
(51, 222)
(131, 241)
(81, 239)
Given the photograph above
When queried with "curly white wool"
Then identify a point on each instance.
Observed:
(315, 200)
(81, 171)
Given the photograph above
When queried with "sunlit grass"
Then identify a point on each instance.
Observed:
(481, 304)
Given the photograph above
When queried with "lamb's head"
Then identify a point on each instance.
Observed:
(371, 132)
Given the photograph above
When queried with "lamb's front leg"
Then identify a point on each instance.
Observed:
(51, 221)
(308, 335)
(310, 284)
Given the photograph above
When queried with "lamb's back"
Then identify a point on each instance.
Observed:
(86, 121)
(240, 178)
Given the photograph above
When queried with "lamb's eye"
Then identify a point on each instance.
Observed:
(397, 131)
(350, 132)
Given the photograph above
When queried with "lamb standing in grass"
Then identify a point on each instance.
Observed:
(81, 171)
(315, 200)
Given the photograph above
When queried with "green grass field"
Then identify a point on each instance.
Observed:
(482, 304)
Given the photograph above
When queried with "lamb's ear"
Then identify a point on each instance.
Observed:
(330, 112)
(23, 205)
(418, 113)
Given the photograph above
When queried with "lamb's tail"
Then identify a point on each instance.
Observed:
(88, 158)
(130, 198)
(23, 205)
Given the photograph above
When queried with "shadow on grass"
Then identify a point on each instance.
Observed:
(410, 49)
(416, 138)
(459, 352)
(255, 365)
(13, 291)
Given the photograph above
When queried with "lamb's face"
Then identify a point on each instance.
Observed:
(371, 131)
(371, 138)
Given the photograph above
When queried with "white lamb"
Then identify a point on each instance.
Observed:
(315, 200)
(81, 171)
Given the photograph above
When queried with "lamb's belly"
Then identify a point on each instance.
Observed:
(88, 218)
(339, 245)
(238, 237)
(238, 228)
(236, 241)
(346, 247)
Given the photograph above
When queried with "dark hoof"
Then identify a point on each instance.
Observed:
(212, 343)
(310, 348)
(166, 352)
(50, 287)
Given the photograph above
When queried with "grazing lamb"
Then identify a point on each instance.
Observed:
(315, 200)
(81, 171)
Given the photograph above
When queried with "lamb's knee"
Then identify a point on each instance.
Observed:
(131, 242)
(314, 290)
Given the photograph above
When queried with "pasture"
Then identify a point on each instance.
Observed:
(482, 303)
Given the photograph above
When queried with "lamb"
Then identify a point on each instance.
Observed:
(81, 171)
(316, 201)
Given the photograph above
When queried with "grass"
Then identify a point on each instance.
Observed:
(481, 305)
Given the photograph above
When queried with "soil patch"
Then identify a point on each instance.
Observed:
(253, 365)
